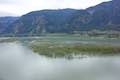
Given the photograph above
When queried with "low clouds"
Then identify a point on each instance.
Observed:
(7, 13)
(24, 6)
(10, 2)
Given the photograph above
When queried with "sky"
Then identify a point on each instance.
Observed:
(20, 7)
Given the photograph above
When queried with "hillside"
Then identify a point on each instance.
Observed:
(41, 21)
(104, 16)
(5, 22)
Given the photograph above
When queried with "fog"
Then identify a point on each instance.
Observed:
(18, 62)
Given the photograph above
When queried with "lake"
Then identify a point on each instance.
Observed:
(17, 62)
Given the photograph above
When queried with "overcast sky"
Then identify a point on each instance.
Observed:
(19, 7)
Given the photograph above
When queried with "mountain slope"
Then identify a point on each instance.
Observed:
(105, 16)
(5, 22)
(104, 5)
(41, 21)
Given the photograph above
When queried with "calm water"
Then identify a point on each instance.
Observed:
(19, 63)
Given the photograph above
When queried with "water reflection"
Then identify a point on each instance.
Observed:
(19, 63)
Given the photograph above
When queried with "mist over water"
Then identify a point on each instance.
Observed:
(17, 62)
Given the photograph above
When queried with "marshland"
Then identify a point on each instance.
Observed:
(68, 57)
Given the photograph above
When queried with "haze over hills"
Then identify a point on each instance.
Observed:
(5, 22)
(3, 14)
(105, 16)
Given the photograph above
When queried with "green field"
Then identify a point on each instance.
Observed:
(59, 45)
(69, 45)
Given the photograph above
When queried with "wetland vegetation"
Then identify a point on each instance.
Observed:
(60, 45)
(59, 57)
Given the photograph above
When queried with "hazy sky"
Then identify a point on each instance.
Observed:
(19, 7)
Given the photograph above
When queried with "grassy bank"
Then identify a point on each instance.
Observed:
(60, 45)
(75, 44)
(56, 49)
